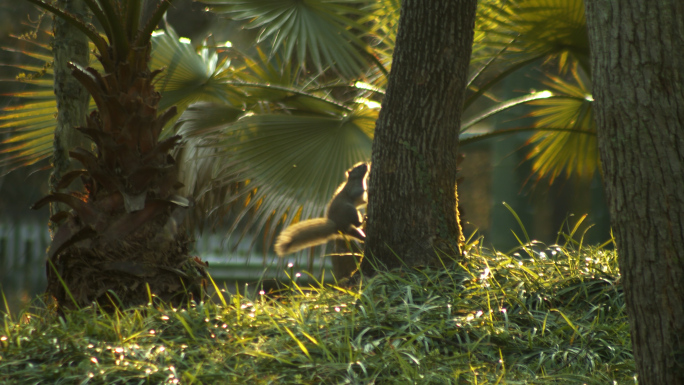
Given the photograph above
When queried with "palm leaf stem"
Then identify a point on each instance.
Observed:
(335, 86)
(484, 88)
(512, 103)
(290, 90)
(489, 62)
(378, 63)
(146, 33)
(508, 131)
(119, 39)
(133, 11)
(71, 19)
(100, 16)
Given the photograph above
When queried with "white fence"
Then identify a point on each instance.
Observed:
(23, 246)
(229, 263)
(22, 257)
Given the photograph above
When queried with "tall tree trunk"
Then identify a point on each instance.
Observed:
(412, 209)
(637, 52)
(69, 45)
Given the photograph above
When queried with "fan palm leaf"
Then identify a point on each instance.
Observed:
(322, 31)
(554, 29)
(284, 165)
(27, 125)
(191, 76)
(574, 151)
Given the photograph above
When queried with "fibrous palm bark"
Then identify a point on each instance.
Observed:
(121, 241)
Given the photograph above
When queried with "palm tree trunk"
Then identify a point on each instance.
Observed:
(69, 45)
(121, 241)
(638, 72)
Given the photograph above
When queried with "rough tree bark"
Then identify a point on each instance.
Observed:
(637, 52)
(412, 209)
(69, 45)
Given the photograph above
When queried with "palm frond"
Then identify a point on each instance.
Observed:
(574, 152)
(190, 77)
(325, 32)
(284, 166)
(555, 29)
(27, 124)
(382, 17)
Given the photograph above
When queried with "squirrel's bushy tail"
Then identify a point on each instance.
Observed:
(305, 234)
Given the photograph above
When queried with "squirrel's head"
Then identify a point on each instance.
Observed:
(358, 171)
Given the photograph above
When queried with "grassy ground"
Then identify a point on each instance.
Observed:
(539, 315)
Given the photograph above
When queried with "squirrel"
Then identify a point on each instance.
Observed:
(342, 217)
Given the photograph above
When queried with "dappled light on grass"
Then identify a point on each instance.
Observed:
(538, 315)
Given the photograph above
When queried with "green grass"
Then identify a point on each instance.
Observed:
(539, 315)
